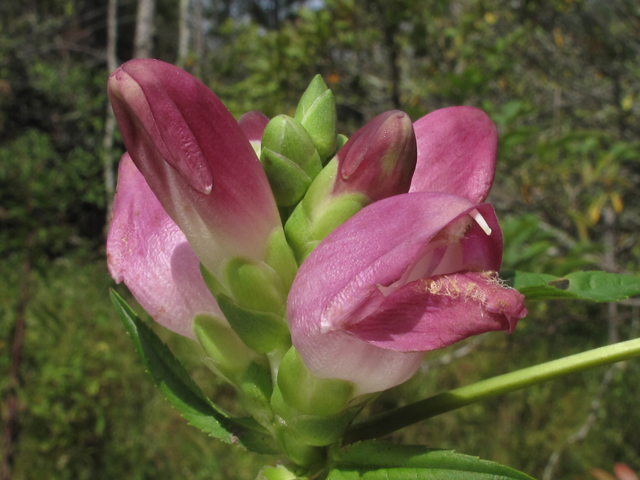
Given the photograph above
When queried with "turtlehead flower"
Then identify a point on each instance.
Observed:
(398, 255)
(196, 160)
(410, 273)
(201, 167)
(420, 274)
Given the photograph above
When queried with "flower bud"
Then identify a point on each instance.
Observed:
(376, 162)
(317, 113)
(201, 167)
(289, 158)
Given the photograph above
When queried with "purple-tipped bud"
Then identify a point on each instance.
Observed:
(196, 160)
(379, 159)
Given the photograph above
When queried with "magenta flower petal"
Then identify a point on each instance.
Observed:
(456, 153)
(433, 313)
(196, 159)
(147, 251)
(362, 295)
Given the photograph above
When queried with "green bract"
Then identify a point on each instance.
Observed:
(317, 114)
(289, 158)
(320, 212)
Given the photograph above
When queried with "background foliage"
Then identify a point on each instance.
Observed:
(560, 78)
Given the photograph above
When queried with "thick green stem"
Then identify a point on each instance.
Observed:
(385, 423)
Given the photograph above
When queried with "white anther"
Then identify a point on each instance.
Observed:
(475, 214)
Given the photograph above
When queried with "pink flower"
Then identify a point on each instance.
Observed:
(196, 160)
(410, 273)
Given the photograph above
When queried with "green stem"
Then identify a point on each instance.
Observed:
(388, 422)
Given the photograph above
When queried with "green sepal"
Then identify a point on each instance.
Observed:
(316, 111)
(280, 257)
(336, 212)
(289, 159)
(319, 213)
(341, 141)
(309, 394)
(279, 472)
(595, 286)
(288, 181)
(377, 460)
(255, 286)
(297, 451)
(299, 235)
(212, 283)
(312, 429)
(226, 353)
(255, 389)
(230, 358)
(260, 331)
(184, 394)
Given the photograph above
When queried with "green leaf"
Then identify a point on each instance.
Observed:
(595, 286)
(373, 460)
(183, 393)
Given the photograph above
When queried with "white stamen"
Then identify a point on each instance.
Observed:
(475, 214)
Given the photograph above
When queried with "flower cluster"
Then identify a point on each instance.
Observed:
(332, 264)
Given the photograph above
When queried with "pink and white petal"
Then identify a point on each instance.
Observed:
(388, 239)
(457, 149)
(434, 313)
(196, 159)
(341, 355)
(339, 284)
(147, 251)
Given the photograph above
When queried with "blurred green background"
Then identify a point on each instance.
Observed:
(560, 78)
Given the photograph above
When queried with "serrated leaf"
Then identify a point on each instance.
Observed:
(184, 394)
(595, 286)
(376, 460)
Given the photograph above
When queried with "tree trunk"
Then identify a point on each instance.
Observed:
(11, 408)
(143, 41)
(183, 33)
(198, 42)
(110, 122)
